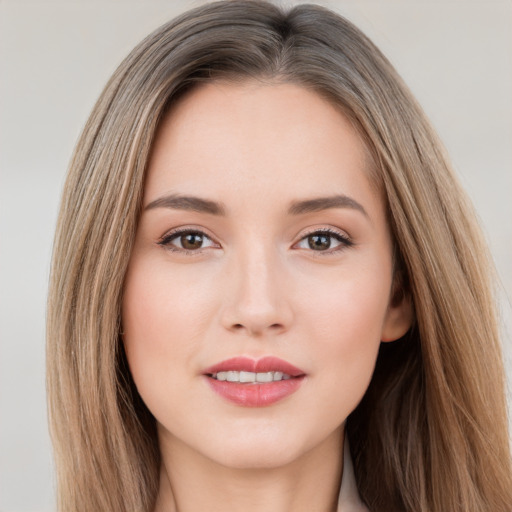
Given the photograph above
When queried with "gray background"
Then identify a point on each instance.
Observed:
(54, 60)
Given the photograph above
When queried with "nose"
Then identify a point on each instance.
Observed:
(258, 301)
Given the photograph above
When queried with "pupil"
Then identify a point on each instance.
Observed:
(191, 241)
(319, 242)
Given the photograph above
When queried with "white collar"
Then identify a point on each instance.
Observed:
(349, 500)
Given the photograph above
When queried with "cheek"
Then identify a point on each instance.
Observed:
(164, 317)
(349, 304)
(346, 322)
(160, 304)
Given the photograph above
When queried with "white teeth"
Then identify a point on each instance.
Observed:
(264, 377)
(233, 376)
(247, 377)
(251, 377)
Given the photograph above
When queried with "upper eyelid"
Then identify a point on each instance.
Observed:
(186, 229)
(309, 231)
(330, 230)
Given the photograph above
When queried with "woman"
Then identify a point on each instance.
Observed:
(262, 258)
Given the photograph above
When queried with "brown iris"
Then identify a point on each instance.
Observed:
(319, 242)
(191, 241)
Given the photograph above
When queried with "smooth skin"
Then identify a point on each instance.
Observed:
(256, 270)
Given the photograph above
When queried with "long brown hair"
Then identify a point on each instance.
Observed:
(431, 432)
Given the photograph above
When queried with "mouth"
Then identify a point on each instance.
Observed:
(254, 383)
(250, 377)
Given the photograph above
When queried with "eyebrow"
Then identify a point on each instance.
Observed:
(190, 203)
(197, 204)
(324, 203)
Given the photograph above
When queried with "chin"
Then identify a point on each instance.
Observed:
(259, 447)
(255, 457)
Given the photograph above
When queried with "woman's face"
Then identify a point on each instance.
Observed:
(262, 254)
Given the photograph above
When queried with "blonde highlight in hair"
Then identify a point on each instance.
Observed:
(431, 432)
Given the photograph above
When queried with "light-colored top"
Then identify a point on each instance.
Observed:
(349, 500)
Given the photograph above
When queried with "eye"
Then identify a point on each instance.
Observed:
(324, 241)
(187, 241)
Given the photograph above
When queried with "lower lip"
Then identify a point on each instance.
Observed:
(255, 395)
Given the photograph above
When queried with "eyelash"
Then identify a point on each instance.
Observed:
(166, 241)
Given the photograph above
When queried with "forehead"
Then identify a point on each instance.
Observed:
(256, 138)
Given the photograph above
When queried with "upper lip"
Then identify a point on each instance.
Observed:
(246, 364)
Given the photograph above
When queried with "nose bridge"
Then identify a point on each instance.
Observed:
(259, 300)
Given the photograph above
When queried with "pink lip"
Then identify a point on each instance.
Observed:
(255, 395)
(245, 364)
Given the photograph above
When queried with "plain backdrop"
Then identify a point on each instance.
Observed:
(55, 57)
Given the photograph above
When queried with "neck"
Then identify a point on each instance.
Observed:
(190, 482)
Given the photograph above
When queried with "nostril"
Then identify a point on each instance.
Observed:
(242, 327)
